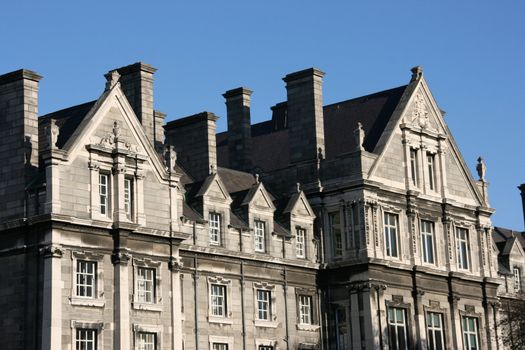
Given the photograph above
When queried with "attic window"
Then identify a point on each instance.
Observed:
(215, 228)
(414, 167)
(260, 236)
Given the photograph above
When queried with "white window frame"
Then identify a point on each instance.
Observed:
(391, 230)
(138, 300)
(82, 277)
(432, 328)
(139, 329)
(305, 309)
(259, 236)
(517, 278)
(463, 260)
(97, 300)
(467, 332)
(431, 168)
(96, 327)
(428, 245)
(300, 243)
(128, 197)
(414, 167)
(264, 304)
(398, 324)
(146, 284)
(336, 233)
(214, 228)
(218, 300)
(104, 193)
(226, 316)
(88, 338)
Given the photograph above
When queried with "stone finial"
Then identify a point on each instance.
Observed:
(112, 78)
(320, 153)
(298, 187)
(359, 135)
(256, 178)
(52, 132)
(213, 170)
(417, 73)
(116, 130)
(481, 168)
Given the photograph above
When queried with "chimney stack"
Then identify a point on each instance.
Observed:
(305, 114)
(239, 128)
(136, 81)
(18, 138)
(522, 191)
(194, 140)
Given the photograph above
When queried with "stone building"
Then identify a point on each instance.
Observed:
(355, 225)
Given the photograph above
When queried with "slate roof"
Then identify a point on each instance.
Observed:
(270, 138)
(67, 120)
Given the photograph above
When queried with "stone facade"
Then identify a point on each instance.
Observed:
(350, 226)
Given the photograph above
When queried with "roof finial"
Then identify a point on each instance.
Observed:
(212, 169)
(256, 178)
(298, 187)
(112, 78)
(481, 168)
(417, 73)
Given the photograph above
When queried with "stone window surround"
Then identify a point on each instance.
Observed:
(220, 339)
(314, 325)
(435, 306)
(81, 324)
(157, 330)
(147, 263)
(402, 304)
(105, 165)
(266, 342)
(98, 300)
(272, 323)
(228, 284)
(470, 311)
(398, 213)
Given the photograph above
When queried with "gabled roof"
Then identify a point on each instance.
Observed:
(270, 138)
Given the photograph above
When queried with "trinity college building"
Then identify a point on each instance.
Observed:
(355, 225)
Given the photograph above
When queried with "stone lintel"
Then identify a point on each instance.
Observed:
(19, 75)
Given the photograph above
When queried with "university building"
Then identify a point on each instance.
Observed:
(355, 225)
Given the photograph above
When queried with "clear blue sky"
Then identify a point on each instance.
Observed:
(472, 52)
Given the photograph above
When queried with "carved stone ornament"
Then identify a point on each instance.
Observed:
(120, 258)
(359, 135)
(52, 132)
(170, 157)
(175, 264)
(420, 112)
(52, 251)
(481, 168)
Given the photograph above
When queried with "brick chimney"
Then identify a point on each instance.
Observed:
(239, 128)
(305, 114)
(18, 138)
(194, 140)
(137, 83)
(522, 191)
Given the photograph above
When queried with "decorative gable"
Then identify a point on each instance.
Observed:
(214, 189)
(259, 198)
(298, 206)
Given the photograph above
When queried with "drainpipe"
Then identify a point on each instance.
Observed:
(195, 277)
(379, 318)
(285, 286)
(242, 308)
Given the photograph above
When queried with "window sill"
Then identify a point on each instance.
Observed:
(221, 320)
(76, 301)
(265, 324)
(147, 307)
(307, 327)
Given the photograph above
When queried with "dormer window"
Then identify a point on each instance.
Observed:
(300, 240)
(414, 167)
(215, 228)
(431, 171)
(103, 189)
(260, 236)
